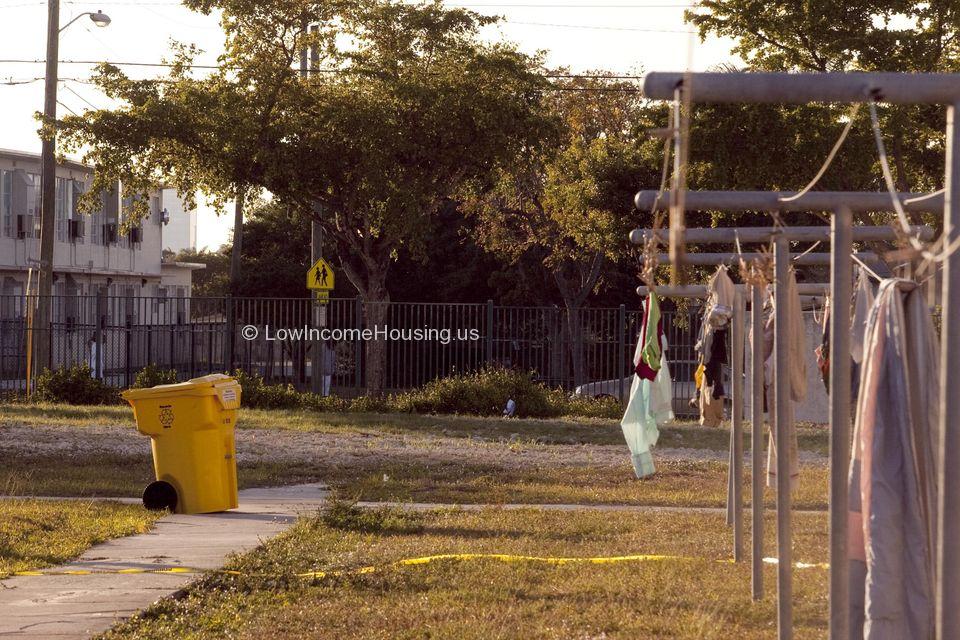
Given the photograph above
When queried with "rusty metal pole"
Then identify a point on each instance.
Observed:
(756, 439)
(841, 275)
(781, 256)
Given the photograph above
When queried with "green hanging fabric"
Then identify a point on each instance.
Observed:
(650, 351)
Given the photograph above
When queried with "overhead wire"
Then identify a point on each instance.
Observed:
(71, 90)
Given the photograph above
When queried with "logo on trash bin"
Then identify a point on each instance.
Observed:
(166, 416)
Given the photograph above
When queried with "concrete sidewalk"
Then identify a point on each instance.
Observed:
(77, 607)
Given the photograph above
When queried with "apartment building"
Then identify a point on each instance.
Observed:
(92, 249)
(180, 230)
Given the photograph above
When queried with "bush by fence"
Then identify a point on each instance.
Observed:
(73, 385)
(480, 393)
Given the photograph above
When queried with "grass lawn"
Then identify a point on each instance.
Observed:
(699, 598)
(677, 483)
(410, 473)
(549, 431)
(35, 534)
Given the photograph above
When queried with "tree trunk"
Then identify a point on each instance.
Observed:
(574, 321)
(376, 304)
(237, 250)
(574, 289)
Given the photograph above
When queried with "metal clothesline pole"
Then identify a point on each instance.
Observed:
(729, 235)
(782, 419)
(756, 439)
(802, 88)
(948, 527)
(820, 201)
(820, 258)
(736, 423)
(700, 291)
(841, 276)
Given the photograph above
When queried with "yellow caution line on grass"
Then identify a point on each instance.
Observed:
(408, 562)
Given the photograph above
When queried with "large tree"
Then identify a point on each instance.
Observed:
(406, 107)
(567, 209)
(859, 35)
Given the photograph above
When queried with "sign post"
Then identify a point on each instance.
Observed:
(320, 280)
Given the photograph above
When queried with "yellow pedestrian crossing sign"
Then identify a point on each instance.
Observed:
(320, 276)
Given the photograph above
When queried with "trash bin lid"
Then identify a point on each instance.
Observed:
(212, 381)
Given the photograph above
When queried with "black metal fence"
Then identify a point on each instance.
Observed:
(297, 341)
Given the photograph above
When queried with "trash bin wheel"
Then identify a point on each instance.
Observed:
(160, 495)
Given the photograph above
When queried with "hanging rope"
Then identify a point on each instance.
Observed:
(651, 244)
(812, 247)
(851, 117)
(863, 265)
(905, 225)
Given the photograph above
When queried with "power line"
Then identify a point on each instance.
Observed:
(71, 90)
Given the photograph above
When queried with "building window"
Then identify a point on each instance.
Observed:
(6, 203)
(33, 203)
(63, 206)
(123, 239)
(96, 227)
(160, 298)
(76, 191)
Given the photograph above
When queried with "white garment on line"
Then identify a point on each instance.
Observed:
(650, 405)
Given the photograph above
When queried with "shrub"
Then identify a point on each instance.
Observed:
(152, 375)
(483, 393)
(586, 407)
(257, 394)
(73, 385)
(317, 402)
(373, 404)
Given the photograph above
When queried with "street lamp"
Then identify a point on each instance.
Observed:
(98, 18)
(48, 178)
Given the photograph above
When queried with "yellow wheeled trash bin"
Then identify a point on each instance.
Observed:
(191, 428)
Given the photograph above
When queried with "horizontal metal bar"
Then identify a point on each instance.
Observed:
(700, 290)
(728, 235)
(784, 88)
(820, 258)
(826, 201)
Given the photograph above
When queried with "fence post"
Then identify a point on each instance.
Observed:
(489, 354)
(193, 344)
(229, 345)
(621, 366)
(126, 347)
(316, 346)
(358, 345)
(98, 334)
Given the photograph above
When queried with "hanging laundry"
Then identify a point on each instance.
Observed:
(862, 303)
(650, 405)
(712, 345)
(647, 363)
(718, 310)
(721, 295)
(712, 391)
(822, 351)
(795, 334)
(892, 482)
